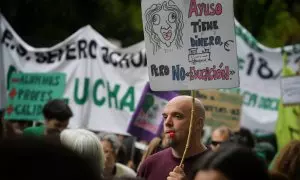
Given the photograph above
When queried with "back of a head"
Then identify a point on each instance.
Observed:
(35, 158)
(57, 109)
(235, 162)
(86, 144)
(243, 137)
(288, 160)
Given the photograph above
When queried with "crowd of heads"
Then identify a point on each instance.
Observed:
(64, 153)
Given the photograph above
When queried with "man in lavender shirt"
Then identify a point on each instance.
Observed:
(165, 164)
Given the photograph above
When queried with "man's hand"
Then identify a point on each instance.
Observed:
(177, 174)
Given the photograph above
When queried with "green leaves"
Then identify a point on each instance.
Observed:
(271, 22)
(42, 23)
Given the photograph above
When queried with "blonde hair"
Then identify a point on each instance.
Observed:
(86, 144)
(288, 160)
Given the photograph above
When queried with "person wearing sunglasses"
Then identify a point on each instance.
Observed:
(218, 136)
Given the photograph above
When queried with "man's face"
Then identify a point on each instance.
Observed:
(176, 120)
(55, 125)
(217, 138)
(109, 153)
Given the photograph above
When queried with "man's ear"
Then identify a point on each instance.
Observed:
(198, 123)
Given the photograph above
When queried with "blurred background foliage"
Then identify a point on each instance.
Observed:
(43, 23)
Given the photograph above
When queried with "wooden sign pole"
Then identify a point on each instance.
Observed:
(193, 93)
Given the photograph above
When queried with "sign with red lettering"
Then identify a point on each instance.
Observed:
(29, 92)
(190, 44)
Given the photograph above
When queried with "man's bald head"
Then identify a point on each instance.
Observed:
(223, 131)
(187, 101)
(221, 134)
(177, 116)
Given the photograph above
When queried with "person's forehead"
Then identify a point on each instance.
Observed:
(179, 100)
(179, 104)
(216, 132)
(106, 144)
(217, 135)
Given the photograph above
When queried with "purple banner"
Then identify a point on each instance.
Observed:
(146, 122)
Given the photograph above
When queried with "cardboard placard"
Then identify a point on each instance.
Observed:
(190, 44)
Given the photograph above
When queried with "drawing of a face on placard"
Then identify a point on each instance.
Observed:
(164, 25)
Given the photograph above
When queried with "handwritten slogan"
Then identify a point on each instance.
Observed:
(190, 44)
(290, 90)
(29, 92)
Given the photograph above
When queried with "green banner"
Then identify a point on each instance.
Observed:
(29, 92)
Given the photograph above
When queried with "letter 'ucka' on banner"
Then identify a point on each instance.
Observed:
(190, 44)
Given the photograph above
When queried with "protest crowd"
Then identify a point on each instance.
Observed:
(196, 100)
(83, 154)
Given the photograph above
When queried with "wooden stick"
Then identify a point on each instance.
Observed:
(193, 93)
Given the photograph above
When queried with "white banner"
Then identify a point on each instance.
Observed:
(260, 69)
(105, 83)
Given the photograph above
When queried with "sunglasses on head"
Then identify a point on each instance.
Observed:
(215, 143)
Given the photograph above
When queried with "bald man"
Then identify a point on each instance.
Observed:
(165, 164)
(219, 135)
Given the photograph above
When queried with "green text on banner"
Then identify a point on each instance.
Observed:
(29, 92)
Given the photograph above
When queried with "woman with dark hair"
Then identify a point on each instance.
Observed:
(231, 162)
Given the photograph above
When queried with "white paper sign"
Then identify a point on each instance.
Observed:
(290, 90)
(190, 44)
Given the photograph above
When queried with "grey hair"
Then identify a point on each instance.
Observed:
(112, 139)
(86, 144)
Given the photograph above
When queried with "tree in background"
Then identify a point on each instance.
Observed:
(273, 22)
(46, 22)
